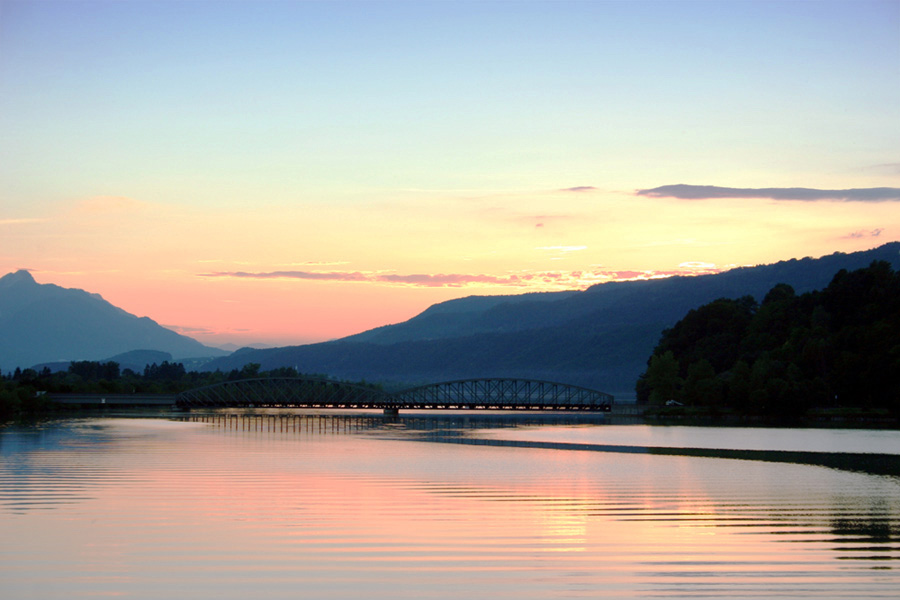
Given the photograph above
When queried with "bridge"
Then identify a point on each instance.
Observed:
(482, 394)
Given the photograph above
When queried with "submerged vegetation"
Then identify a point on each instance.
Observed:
(835, 350)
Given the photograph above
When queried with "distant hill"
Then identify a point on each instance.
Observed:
(135, 360)
(46, 323)
(475, 314)
(235, 347)
(601, 337)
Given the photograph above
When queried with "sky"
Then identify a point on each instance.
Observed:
(292, 172)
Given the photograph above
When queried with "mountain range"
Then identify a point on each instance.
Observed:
(600, 337)
(46, 323)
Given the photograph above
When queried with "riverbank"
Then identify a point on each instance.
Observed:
(845, 416)
(627, 414)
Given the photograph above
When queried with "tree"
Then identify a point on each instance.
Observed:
(250, 371)
(663, 381)
(701, 387)
(164, 372)
(791, 353)
(738, 388)
(713, 332)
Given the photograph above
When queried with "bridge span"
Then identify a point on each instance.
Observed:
(465, 394)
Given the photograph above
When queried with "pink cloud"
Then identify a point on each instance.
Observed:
(451, 280)
(314, 275)
(544, 280)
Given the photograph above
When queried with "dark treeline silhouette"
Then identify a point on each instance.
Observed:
(24, 390)
(838, 347)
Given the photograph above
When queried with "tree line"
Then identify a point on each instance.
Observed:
(837, 347)
(24, 390)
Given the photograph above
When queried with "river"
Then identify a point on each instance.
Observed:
(335, 505)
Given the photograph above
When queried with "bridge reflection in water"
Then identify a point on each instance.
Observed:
(432, 426)
(463, 428)
(482, 394)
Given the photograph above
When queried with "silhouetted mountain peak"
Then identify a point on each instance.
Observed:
(44, 323)
(19, 278)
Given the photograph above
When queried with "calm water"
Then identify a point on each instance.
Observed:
(336, 506)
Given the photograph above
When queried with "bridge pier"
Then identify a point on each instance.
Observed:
(391, 412)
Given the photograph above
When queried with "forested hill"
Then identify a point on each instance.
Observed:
(601, 337)
(624, 301)
(788, 354)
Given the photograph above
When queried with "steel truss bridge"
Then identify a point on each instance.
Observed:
(482, 394)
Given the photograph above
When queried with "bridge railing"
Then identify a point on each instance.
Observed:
(284, 392)
(504, 393)
(490, 394)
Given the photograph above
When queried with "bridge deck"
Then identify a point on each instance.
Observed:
(470, 394)
(114, 399)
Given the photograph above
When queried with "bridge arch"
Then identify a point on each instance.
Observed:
(504, 394)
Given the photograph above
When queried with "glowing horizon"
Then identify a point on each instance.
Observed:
(293, 172)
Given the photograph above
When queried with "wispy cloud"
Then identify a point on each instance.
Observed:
(579, 188)
(415, 280)
(527, 280)
(707, 192)
(312, 275)
(863, 234)
(662, 274)
(449, 280)
(545, 220)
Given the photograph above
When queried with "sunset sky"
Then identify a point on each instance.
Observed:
(289, 172)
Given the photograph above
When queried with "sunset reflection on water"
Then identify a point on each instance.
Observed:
(334, 507)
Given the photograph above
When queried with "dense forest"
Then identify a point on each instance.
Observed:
(838, 347)
(24, 391)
